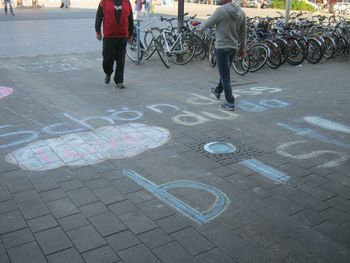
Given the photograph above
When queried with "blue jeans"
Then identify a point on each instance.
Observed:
(10, 4)
(224, 58)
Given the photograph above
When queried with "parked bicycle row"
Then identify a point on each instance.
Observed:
(269, 41)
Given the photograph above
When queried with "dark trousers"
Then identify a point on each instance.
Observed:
(224, 58)
(114, 49)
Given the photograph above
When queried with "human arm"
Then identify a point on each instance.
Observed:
(131, 24)
(98, 21)
(212, 20)
(243, 35)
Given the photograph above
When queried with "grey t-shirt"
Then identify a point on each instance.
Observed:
(231, 27)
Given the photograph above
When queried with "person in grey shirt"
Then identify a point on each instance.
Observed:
(230, 35)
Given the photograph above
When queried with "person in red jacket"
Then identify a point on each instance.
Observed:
(118, 27)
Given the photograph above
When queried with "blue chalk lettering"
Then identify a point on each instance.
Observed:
(249, 106)
(221, 203)
(274, 103)
(266, 170)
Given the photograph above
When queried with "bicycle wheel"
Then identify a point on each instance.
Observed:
(314, 51)
(297, 52)
(131, 49)
(241, 64)
(258, 56)
(161, 52)
(328, 47)
(211, 53)
(274, 55)
(341, 45)
(184, 51)
(283, 49)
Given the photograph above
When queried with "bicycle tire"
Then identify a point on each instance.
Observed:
(297, 52)
(274, 55)
(131, 49)
(328, 47)
(211, 52)
(341, 45)
(241, 64)
(258, 57)
(160, 50)
(314, 51)
(186, 54)
(283, 48)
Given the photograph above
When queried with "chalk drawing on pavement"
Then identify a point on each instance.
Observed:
(5, 91)
(342, 157)
(265, 170)
(313, 134)
(86, 148)
(161, 192)
(327, 124)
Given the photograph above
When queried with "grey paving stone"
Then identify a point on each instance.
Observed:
(173, 223)
(7, 206)
(98, 183)
(62, 207)
(62, 174)
(337, 188)
(19, 185)
(294, 170)
(227, 240)
(317, 192)
(309, 218)
(53, 195)
(309, 202)
(109, 195)
(335, 215)
(3, 255)
(192, 241)
(125, 185)
(103, 255)
(107, 224)
(53, 240)
(122, 207)
(122, 240)
(222, 171)
(335, 232)
(137, 222)
(340, 203)
(241, 181)
(42, 223)
(140, 196)
(82, 196)
(155, 238)
(73, 221)
(71, 185)
(33, 208)
(251, 253)
(155, 209)
(43, 183)
(138, 254)
(173, 253)
(315, 179)
(70, 255)
(11, 221)
(86, 238)
(215, 256)
(93, 209)
(112, 175)
(25, 196)
(87, 173)
(284, 205)
(29, 253)
(103, 167)
(17, 238)
(260, 192)
(4, 194)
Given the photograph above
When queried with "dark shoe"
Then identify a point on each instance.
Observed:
(227, 106)
(107, 79)
(214, 94)
(120, 85)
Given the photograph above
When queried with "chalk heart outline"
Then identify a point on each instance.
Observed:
(5, 92)
(87, 148)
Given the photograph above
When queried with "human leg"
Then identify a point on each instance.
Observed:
(120, 52)
(224, 59)
(108, 55)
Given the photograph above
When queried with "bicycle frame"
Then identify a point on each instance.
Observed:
(170, 47)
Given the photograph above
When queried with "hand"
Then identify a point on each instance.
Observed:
(98, 36)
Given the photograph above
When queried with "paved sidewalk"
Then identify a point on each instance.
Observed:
(91, 173)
